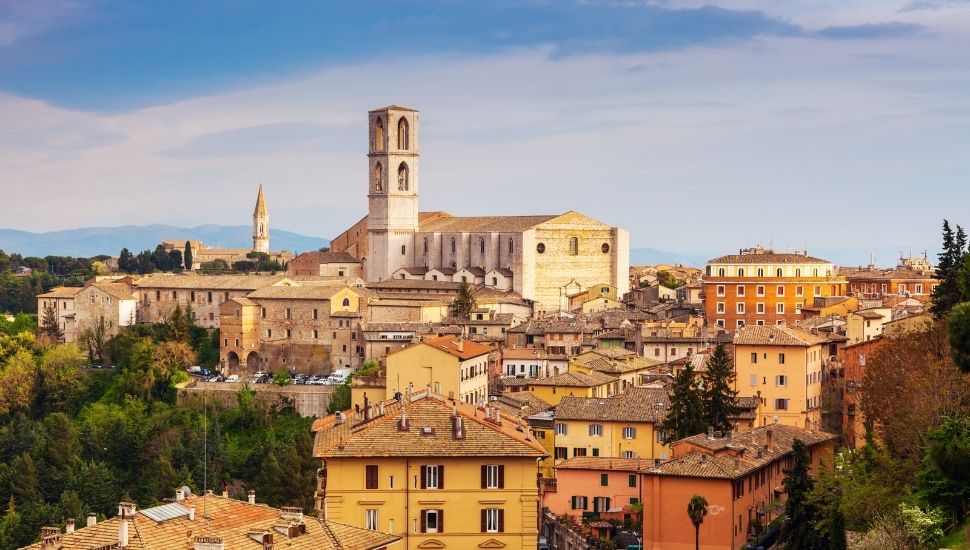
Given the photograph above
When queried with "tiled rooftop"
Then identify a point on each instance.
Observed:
(635, 405)
(778, 335)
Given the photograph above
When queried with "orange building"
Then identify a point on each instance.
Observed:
(761, 287)
(871, 282)
(853, 359)
(740, 475)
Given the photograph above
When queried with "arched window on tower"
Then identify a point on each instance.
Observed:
(511, 246)
(402, 177)
(403, 139)
(454, 246)
(425, 246)
(379, 135)
(378, 177)
(481, 246)
(798, 272)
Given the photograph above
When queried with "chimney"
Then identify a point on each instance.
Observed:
(710, 432)
(179, 495)
(457, 427)
(192, 513)
(252, 496)
(225, 490)
(209, 543)
(123, 534)
(291, 513)
(69, 526)
(366, 407)
(768, 437)
(92, 520)
(50, 538)
(402, 423)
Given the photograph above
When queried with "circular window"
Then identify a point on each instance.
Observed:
(540, 248)
(605, 248)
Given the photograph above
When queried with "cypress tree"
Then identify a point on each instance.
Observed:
(720, 398)
(464, 302)
(685, 417)
(49, 325)
(948, 270)
(798, 532)
(188, 256)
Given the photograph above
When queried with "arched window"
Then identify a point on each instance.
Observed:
(720, 272)
(778, 272)
(454, 247)
(573, 246)
(798, 272)
(346, 302)
(378, 177)
(402, 177)
(425, 246)
(761, 272)
(815, 272)
(511, 246)
(740, 272)
(403, 139)
(379, 135)
(404, 249)
(481, 246)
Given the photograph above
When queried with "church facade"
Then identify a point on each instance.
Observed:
(543, 257)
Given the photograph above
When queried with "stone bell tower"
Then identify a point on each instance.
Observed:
(392, 195)
(260, 224)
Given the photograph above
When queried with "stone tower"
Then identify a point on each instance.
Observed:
(260, 224)
(392, 195)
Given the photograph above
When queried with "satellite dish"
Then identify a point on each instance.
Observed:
(186, 491)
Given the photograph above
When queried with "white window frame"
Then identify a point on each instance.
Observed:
(431, 477)
(759, 290)
(596, 430)
(629, 432)
(780, 308)
(427, 521)
(491, 520)
(760, 308)
(720, 307)
(739, 291)
(370, 519)
(781, 380)
(740, 308)
(491, 476)
(561, 428)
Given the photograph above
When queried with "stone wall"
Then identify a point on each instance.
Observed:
(305, 400)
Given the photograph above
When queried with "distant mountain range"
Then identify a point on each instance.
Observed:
(92, 241)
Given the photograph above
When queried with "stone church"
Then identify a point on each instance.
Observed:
(543, 257)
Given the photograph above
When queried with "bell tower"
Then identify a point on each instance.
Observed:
(393, 182)
(260, 224)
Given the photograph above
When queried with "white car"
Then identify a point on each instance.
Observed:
(232, 378)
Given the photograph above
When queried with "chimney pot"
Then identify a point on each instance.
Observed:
(192, 513)
(69, 526)
(252, 496)
(92, 520)
(179, 495)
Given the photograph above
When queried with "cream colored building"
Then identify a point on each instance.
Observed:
(62, 300)
(158, 294)
(543, 258)
(783, 367)
(866, 324)
(114, 302)
(448, 365)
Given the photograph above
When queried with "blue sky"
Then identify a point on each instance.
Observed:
(698, 126)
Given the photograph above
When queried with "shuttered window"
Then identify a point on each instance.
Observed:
(370, 475)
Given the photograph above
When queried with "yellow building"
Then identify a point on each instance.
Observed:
(435, 471)
(622, 426)
(600, 291)
(866, 324)
(449, 365)
(783, 367)
(553, 388)
(618, 362)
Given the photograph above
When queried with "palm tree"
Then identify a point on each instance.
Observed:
(697, 509)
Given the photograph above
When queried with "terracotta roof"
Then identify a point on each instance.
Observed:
(430, 432)
(463, 350)
(864, 273)
(294, 292)
(321, 257)
(118, 290)
(868, 314)
(778, 335)
(193, 281)
(61, 292)
(767, 257)
(476, 271)
(482, 224)
(566, 379)
(415, 270)
(415, 284)
(523, 403)
(227, 519)
(503, 271)
(635, 405)
(523, 353)
(605, 463)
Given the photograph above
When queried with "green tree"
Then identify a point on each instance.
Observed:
(17, 381)
(947, 293)
(50, 326)
(160, 259)
(464, 302)
(188, 256)
(126, 261)
(282, 377)
(59, 380)
(178, 324)
(93, 339)
(685, 416)
(24, 483)
(175, 260)
(667, 279)
(799, 531)
(697, 509)
(958, 334)
(720, 399)
(944, 479)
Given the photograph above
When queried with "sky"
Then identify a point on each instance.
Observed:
(697, 126)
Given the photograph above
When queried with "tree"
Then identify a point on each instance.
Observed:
(99, 268)
(17, 381)
(126, 261)
(160, 258)
(464, 302)
(188, 256)
(175, 260)
(58, 377)
(720, 399)
(50, 326)
(798, 531)
(958, 334)
(697, 509)
(282, 377)
(948, 293)
(667, 279)
(93, 339)
(146, 263)
(178, 324)
(24, 483)
(685, 417)
(944, 479)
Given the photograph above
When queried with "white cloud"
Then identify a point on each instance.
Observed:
(709, 148)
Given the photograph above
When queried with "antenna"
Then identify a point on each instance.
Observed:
(205, 451)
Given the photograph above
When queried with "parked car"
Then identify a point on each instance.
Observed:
(194, 369)
(232, 378)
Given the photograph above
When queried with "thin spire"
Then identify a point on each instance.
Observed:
(260, 202)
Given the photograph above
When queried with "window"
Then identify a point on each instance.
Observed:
(631, 480)
(780, 308)
(799, 290)
(740, 307)
(432, 521)
(604, 480)
(289, 313)
(720, 307)
(919, 289)
(378, 177)
(579, 451)
(780, 291)
(379, 135)
(573, 246)
(720, 272)
(760, 308)
(209, 297)
(740, 290)
(778, 272)
(404, 249)
(628, 454)
(781, 358)
(481, 246)
(289, 333)
(346, 302)
(560, 428)
(370, 519)
(781, 404)
(370, 476)
(402, 177)
(269, 333)
(754, 358)
(798, 272)
(759, 290)
(432, 477)
(720, 323)
(579, 503)
(493, 520)
(761, 272)
(659, 436)
(262, 312)
(781, 380)
(511, 246)
(605, 248)
(740, 323)
(493, 476)
(741, 272)
(629, 433)
(754, 380)
(817, 291)
(720, 290)
(403, 139)
(596, 429)
(562, 453)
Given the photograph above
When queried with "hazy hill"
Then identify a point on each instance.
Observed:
(92, 241)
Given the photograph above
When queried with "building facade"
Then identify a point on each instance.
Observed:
(448, 365)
